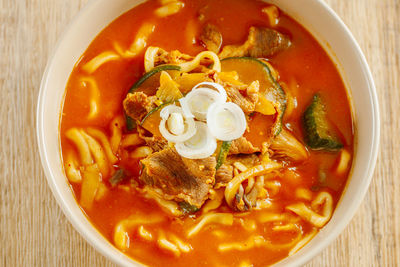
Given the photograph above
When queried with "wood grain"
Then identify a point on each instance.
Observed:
(33, 230)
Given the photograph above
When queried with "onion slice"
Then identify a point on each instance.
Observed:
(226, 121)
(166, 119)
(198, 101)
(185, 108)
(216, 86)
(200, 146)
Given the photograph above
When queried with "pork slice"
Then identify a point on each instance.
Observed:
(246, 101)
(248, 160)
(223, 176)
(138, 104)
(211, 38)
(261, 42)
(179, 178)
(156, 143)
(266, 42)
(242, 146)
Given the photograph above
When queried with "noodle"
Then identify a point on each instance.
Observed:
(99, 135)
(164, 244)
(303, 193)
(121, 235)
(97, 152)
(271, 217)
(248, 224)
(77, 138)
(169, 206)
(273, 15)
(71, 168)
(138, 44)
(171, 8)
(184, 247)
(150, 57)
(116, 133)
(214, 202)
(220, 218)
(310, 215)
(273, 187)
(90, 185)
(240, 166)
(99, 60)
(102, 191)
(146, 235)
(193, 64)
(94, 96)
(131, 140)
(234, 184)
(285, 227)
(246, 264)
(303, 242)
(344, 161)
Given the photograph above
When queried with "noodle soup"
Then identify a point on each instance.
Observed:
(206, 135)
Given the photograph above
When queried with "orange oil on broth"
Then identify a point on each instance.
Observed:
(305, 64)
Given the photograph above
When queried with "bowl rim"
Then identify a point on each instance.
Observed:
(118, 258)
(124, 260)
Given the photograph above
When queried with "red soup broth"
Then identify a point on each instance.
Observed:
(305, 68)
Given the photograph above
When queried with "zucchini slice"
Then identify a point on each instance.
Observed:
(223, 153)
(250, 69)
(146, 78)
(149, 74)
(130, 123)
(155, 110)
(318, 132)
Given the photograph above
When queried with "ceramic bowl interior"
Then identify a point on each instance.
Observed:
(314, 15)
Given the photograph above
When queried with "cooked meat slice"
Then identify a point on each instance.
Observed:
(242, 146)
(155, 56)
(248, 160)
(158, 56)
(267, 42)
(211, 38)
(261, 42)
(223, 176)
(179, 178)
(247, 101)
(138, 104)
(156, 143)
(176, 57)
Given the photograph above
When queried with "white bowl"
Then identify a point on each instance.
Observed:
(314, 15)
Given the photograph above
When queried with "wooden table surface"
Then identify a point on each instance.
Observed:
(34, 231)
